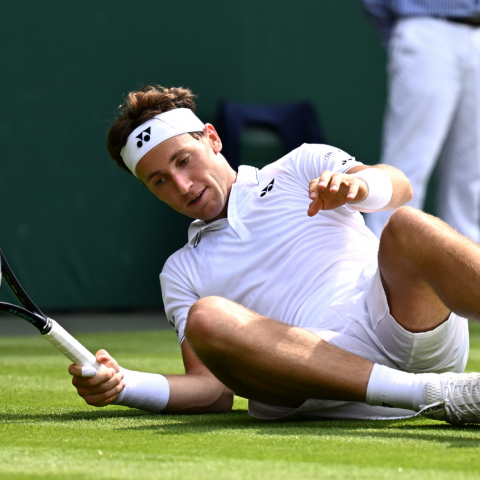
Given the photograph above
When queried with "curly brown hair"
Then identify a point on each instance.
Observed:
(141, 106)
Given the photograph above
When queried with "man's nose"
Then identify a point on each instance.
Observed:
(182, 184)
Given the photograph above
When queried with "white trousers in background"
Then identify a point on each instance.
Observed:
(433, 114)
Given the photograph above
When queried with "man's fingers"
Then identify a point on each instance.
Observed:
(104, 357)
(335, 180)
(88, 371)
(101, 377)
(328, 181)
(332, 190)
(104, 398)
(104, 387)
(315, 207)
(84, 389)
(352, 191)
(324, 179)
(83, 371)
(106, 402)
(319, 184)
(75, 369)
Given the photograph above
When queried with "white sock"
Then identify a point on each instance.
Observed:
(388, 387)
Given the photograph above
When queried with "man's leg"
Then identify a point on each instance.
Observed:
(264, 360)
(427, 271)
(270, 362)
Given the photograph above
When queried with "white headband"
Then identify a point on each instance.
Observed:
(156, 130)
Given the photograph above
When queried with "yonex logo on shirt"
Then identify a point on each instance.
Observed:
(345, 161)
(267, 188)
(144, 137)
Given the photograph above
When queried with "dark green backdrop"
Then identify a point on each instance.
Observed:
(80, 232)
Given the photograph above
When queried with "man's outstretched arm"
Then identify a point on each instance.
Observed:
(198, 391)
(332, 189)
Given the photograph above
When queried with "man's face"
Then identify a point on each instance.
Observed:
(189, 175)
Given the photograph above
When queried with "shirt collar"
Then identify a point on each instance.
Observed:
(197, 227)
(247, 176)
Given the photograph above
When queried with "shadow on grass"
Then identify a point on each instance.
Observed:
(101, 413)
(84, 415)
(418, 429)
(411, 429)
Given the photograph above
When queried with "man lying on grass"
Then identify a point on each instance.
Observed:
(282, 295)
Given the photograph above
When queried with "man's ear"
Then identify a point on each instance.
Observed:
(211, 135)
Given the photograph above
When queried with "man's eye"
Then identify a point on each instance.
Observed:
(160, 181)
(183, 161)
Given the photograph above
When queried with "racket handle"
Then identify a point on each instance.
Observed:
(71, 347)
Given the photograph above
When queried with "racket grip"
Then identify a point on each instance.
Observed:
(71, 347)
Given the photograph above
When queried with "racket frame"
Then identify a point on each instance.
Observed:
(51, 330)
(30, 312)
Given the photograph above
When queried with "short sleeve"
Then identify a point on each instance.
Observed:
(309, 161)
(178, 297)
(312, 160)
(337, 160)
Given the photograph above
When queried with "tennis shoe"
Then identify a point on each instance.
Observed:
(453, 397)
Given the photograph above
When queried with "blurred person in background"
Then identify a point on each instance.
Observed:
(433, 107)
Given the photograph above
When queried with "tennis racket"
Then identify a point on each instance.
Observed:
(49, 328)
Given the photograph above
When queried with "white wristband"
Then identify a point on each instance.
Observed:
(380, 189)
(146, 391)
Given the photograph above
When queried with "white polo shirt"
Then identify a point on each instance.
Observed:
(269, 255)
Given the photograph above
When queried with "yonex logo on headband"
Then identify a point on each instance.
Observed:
(156, 130)
(143, 138)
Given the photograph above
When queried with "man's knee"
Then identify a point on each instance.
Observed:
(411, 235)
(406, 227)
(204, 318)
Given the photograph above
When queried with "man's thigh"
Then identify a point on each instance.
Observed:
(268, 361)
(411, 299)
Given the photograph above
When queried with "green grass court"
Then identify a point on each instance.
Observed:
(48, 432)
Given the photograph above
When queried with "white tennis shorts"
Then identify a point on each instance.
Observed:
(364, 326)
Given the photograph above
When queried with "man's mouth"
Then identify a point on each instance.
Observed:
(197, 198)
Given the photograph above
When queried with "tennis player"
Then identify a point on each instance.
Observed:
(283, 295)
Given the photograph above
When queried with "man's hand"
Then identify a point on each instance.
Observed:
(332, 190)
(102, 389)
